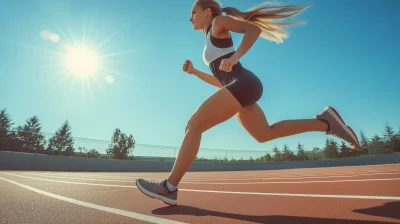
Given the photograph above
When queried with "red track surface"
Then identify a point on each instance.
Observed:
(292, 196)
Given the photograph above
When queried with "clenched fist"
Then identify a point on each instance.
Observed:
(188, 67)
(227, 64)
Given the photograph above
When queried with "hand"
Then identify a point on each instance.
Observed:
(188, 67)
(227, 64)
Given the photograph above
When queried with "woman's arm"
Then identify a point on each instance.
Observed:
(224, 24)
(210, 79)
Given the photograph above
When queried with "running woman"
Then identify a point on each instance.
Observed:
(239, 88)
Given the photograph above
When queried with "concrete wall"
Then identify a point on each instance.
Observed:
(26, 161)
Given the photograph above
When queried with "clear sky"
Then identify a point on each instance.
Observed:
(345, 56)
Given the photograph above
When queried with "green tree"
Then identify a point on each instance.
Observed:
(315, 154)
(364, 144)
(81, 152)
(277, 154)
(267, 158)
(30, 137)
(121, 145)
(287, 155)
(389, 139)
(377, 145)
(331, 149)
(5, 123)
(251, 160)
(397, 141)
(301, 155)
(62, 141)
(345, 151)
(5, 131)
(93, 153)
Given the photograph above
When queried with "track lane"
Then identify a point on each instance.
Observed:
(373, 186)
(19, 205)
(206, 207)
(209, 207)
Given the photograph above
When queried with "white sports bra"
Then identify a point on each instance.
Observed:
(212, 52)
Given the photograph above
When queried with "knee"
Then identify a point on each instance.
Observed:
(265, 136)
(193, 127)
(262, 138)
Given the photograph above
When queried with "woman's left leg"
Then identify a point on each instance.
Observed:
(249, 90)
(253, 120)
(218, 108)
(329, 121)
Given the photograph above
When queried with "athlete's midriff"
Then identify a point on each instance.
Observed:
(223, 76)
(244, 85)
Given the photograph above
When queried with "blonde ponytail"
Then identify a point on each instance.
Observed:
(263, 16)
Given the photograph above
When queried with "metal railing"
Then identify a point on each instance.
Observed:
(39, 143)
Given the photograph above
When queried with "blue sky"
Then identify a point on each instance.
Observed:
(345, 56)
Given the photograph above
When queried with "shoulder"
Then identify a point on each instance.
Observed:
(221, 22)
(227, 23)
(220, 25)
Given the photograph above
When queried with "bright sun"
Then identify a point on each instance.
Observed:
(81, 61)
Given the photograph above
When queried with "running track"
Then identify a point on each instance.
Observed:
(365, 194)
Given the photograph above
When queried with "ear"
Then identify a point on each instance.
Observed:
(208, 11)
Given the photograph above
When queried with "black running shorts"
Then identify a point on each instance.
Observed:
(244, 85)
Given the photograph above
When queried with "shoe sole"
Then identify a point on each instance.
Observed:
(156, 196)
(340, 120)
(358, 143)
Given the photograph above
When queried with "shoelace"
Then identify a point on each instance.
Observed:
(155, 182)
(161, 184)
(158, 183)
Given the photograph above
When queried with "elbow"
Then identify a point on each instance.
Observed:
(257, 30)
(254, 30)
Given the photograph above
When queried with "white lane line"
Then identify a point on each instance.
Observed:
(190, 180)
(78, 178)
(288, 182)
(241, 183)
(90, 176)
(146, 218)
(68, 182)
(299, 178)
(232, 192)
(201, 182)
(303, 195)
(222, 177)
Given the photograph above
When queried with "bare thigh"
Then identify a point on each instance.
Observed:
(253, 120)
(219, 107)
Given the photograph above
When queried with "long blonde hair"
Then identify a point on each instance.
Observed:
(263, 16)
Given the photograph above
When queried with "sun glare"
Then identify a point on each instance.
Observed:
(81, 61)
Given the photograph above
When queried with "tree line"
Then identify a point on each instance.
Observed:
(30, 138)
(385, 143)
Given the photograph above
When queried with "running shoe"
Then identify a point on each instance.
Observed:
(158, 190)
(337, 127)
